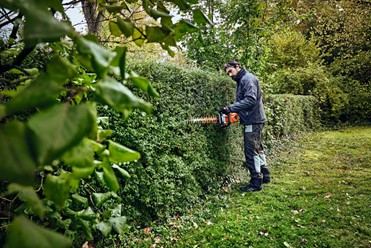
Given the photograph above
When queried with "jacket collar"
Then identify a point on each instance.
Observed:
(240, 74)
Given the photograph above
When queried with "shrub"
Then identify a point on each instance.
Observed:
(313, 80)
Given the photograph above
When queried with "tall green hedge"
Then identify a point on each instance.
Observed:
(291, 114)
(180, 162)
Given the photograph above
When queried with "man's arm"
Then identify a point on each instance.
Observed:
(249, 99)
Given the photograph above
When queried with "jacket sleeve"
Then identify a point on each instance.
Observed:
(249, 92)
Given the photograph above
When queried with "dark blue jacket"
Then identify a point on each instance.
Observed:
(249, 103)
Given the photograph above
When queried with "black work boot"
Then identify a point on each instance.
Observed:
(255, 184)
(266, 174)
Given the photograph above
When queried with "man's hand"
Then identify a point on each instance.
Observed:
(225, 110)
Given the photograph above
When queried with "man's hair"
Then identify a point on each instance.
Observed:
(231, 63)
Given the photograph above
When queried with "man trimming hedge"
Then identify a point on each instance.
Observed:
(249, 106)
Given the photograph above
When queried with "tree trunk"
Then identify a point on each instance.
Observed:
(92, 16)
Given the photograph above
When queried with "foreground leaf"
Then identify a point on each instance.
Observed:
(119, 97)
(109, 176)
(100, 57)
(57, 188)
(44, 90)
(24, 233)
(28, 195)
(126, 26)
(122, 171)
(144, 84)
(17, 164)
(58, 129)
(121, 154)
(81, 156)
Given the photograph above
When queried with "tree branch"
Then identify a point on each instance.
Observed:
(21, 56)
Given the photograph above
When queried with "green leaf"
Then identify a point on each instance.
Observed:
(44, 90)
(61, 69)
(122, 171)
(119, 97)
(170, 41)
(138, 37)
(99, 176)
(85, 227)
(167, 22)
(126, 26)
(87, 214)
(23, 233)
(156, 34)
(58, 129)
(80, 199)
(105, 228)
(200, 17)
(182, 4)
(116, 212)
(119, 62)
(41, 26)
(144, 84)
(114, 29)
(97, 146)
(103, 134)
(159, 13)
(32, 71)
(182, 27)
(109, 176)
(100, 198)
(79, 173)
(54, 4)
(119, 224)
(100, 57)
(2, 111)
(28, 195)
(114, 8)
(121, 154)
(81, 155)
(168, 49)
(57, 188)
(17, 164)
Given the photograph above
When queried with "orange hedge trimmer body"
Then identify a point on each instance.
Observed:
(222, 120)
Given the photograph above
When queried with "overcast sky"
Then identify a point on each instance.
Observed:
(77, 17)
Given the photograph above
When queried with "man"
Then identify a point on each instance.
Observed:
(249, 106)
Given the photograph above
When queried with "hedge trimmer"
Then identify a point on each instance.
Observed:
(223, 120)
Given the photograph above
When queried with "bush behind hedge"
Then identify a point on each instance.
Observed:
(180, 162)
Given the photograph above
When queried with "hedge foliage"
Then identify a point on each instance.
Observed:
(180, 161)
(291, 114)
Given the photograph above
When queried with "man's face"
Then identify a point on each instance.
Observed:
(232, 72)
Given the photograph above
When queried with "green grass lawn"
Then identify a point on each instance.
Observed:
(320, 196)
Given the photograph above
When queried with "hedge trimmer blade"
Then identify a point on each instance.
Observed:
(223, 120)
(204, 120)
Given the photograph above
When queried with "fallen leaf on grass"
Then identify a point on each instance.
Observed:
(174, 225)
(263, 232)
(87, 245)
(157, 240)
(300, 211)
(287, 244)
(195, 225)
(328, 195)
(147, 230)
